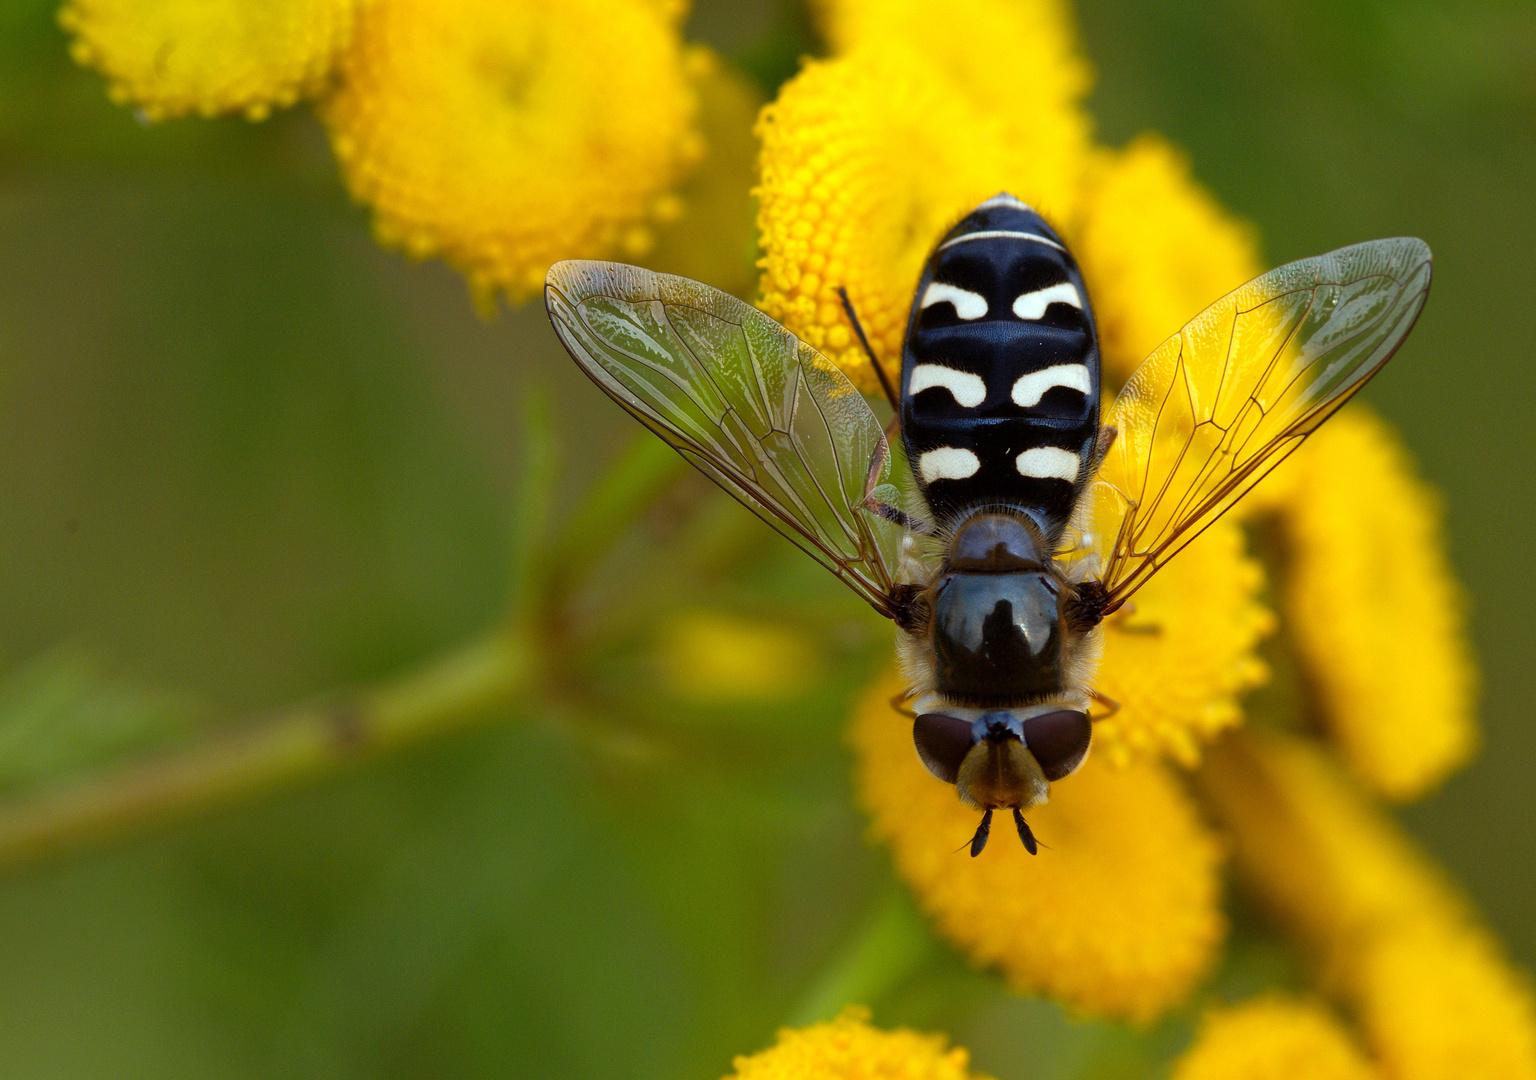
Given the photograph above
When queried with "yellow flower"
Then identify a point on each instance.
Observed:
(1154, 248)
(1273, 1039)
(868, 158)
(1438, 999)
(1396, 941)
(715, 238)
(848, 1048)
(1325, 864)
(503, 137)
(1178, 663)
(1042, 124)
(865, 161)
(172, 57)
(710, 657)
(1373, 609)
(1118, 914)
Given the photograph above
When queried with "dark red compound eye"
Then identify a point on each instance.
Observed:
(942, 743)
(1059, 741)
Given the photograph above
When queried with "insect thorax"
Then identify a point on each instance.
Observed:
(1000, 370)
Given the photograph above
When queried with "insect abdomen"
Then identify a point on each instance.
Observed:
(1000, 370)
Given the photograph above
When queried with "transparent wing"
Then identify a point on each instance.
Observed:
(756, 409)
(1224, 400)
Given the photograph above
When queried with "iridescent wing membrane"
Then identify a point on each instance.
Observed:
(756, 409)
(1224, 400)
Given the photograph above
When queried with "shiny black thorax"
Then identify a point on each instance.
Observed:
(1000, 371)
(997, 615)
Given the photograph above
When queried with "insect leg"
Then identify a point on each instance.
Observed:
(858, 329)
(1101, 447)
(1109, 703)
(883, 509)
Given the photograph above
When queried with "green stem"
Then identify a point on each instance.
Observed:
(241, 759)
(883, 953)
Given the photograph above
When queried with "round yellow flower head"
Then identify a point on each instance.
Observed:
(1178, 660)
(1118, 913)
(1438, 999)
(1328, 865)
(171, 57)
(1273, 1039)
(503, 137)
(1374, 609)
(848, 1048)
(1155, 249)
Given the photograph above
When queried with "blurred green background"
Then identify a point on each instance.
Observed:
(247, 457)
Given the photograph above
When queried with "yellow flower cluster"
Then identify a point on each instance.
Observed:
(1373, 607)
(500, 137)
(1119, 913)
(849, 1048)
(172, 57)
(1392, 938)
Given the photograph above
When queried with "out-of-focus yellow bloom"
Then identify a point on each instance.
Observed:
(1155, 250)
(715, 239)
(1178, 663)
(1438, 1000)
(1273, 1039)
(1373, 608)
(171, 57)
(1118, 914)
(1396, 941)
(1327, 865)
(503, 137)
(848, 1048)
(712, 657)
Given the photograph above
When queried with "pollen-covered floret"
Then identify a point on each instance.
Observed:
(1118, 913)
(503, 137)
(171, 57)
(1179, 657)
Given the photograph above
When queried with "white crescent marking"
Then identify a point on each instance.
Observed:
(1032, 305)
(968, 305)
(1030, 388)
(1048, 463)
(967, 389)
(948, 463)
(1002, 198)
(987, 234)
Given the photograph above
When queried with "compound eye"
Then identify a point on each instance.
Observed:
(942, 743)
(1059, 741)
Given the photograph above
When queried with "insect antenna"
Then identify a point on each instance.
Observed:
(858, 329)
(979, 841)
(1024, 833)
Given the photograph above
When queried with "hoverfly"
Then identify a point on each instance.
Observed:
(1016, 520)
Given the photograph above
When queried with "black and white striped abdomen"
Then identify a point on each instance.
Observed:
(1000, 370)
